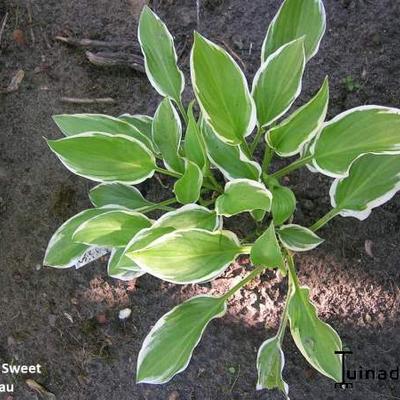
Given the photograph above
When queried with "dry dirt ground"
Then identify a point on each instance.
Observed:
(68, 320)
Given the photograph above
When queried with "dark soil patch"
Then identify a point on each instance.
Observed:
(68, 320)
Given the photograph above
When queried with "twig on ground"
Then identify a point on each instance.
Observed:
(112, 59)
(233, 53)
(123, 53)
(96, 43)
(250, 48)
(3, 25)
(38, 388)
(78, 100)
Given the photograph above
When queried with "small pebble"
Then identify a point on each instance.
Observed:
(52, 320)
(124, 314)
(174, 395)
(74, 301)
(69, 317)
(368, 247)
(101, 318)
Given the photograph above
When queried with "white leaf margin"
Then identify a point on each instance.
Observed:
(386, 110)
(304, 229)
(228, 234)
(134, 239)
(304, 150)
(253, 184)
(114, 211)
(310, 136)
(243, 158)
(140, 117)
(253, 113)
(145, 119)
(146, 67)
(199, 178)
(179, 126)
(128, 275)
(273, 22)
(110, 118)
(265, 65)
(314, 308)
(131, 188)
(88, 255)
(188, 207)
(146, 346)
(364, 214)
(264, 344)
(97, 134)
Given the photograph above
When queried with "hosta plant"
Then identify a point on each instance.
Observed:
(207, 146)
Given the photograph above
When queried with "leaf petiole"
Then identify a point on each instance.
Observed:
(182, 111)
(325, 219)
(301, 162)
(257, 271)
(246, 249)
(206, 203)
(163, 205)
(177, 175)
(292, 271)
(285, 317)
(285, 314)
(256, 140)
(246, 148)
(168, 173)
(268, 154)
(215, 182)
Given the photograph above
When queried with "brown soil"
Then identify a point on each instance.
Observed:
(68, 320)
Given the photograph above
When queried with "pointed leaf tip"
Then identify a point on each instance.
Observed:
(298, 238)
(169, 346)
(222, 92)
(289, 24)
(358, 131)
(270, 364)
(291, 135)
(315, 339)
(266, 250)
(160, 57)
(277, 83)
